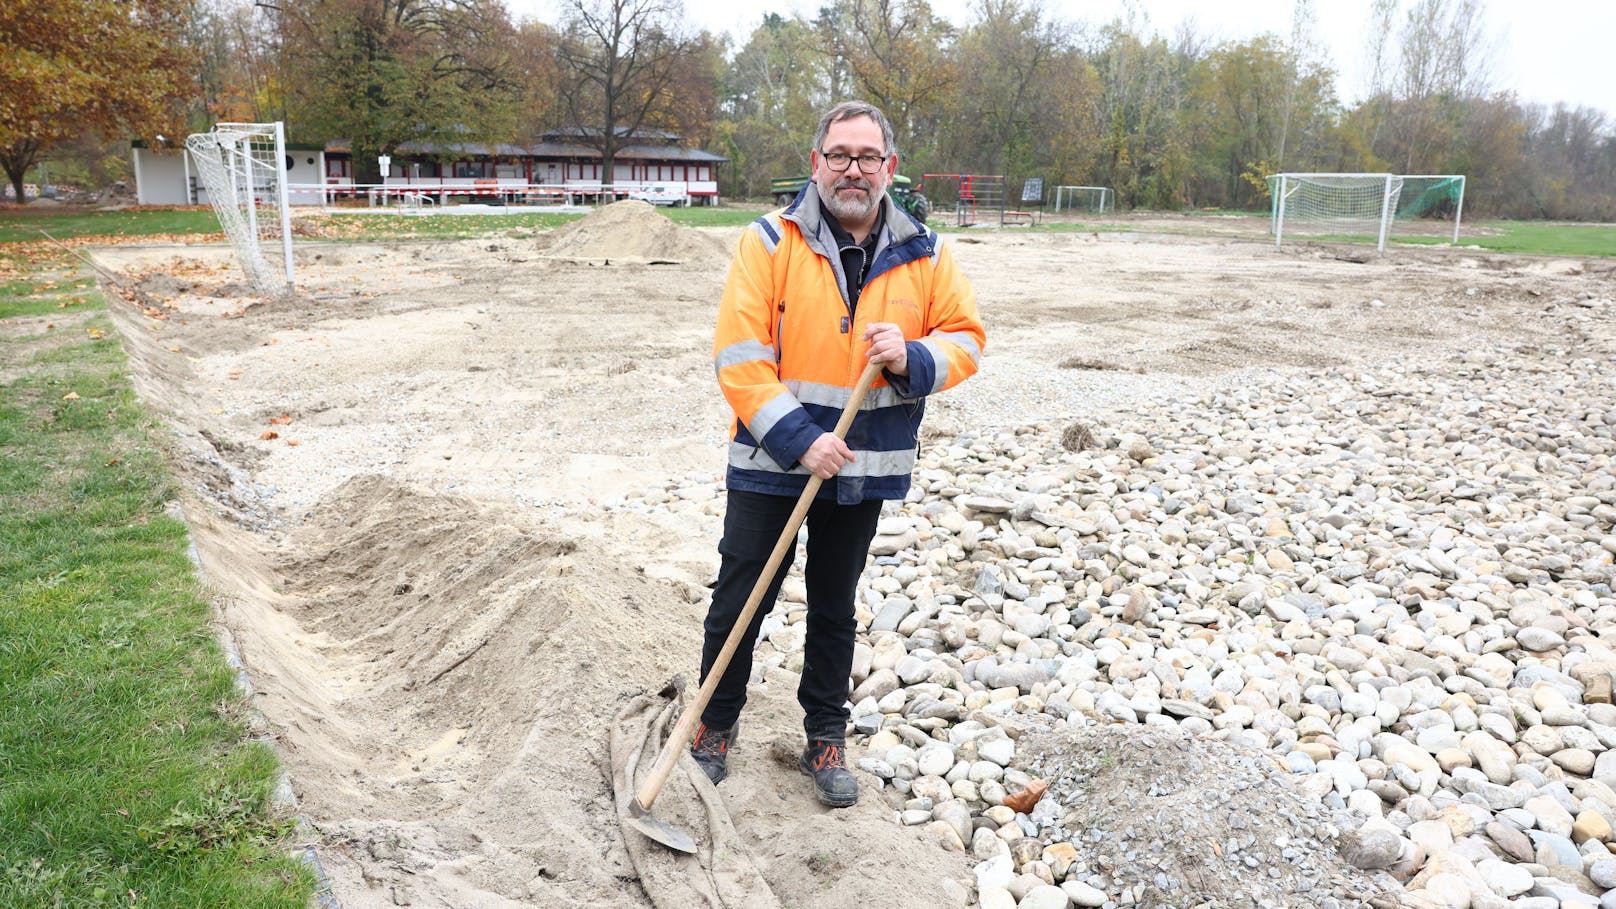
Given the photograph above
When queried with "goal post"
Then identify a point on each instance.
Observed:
(242, 167)
(1360, 204)
(1098, 199)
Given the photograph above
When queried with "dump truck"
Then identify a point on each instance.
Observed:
(903, 191)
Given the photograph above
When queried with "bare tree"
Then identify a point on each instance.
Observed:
(897, 55)
(618, 59)
(1445, 50)
(1302, 51)
(1421, 71)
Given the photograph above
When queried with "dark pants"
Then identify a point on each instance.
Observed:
(838, 544)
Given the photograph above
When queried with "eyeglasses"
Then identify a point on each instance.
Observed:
(839, 161)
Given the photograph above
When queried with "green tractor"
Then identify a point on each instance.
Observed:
(903, 191)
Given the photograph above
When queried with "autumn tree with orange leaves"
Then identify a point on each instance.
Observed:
(89, 66)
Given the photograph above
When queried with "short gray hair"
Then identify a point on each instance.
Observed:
(847, 110)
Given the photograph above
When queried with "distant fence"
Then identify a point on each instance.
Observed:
(413, 190)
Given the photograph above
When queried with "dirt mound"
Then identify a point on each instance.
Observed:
(1179, 820)
(446, 724)
(631, 230)
(445, 675)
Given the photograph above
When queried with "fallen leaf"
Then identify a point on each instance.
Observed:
(1022, 802)
(115, 462)
(270, 434)
(71, 396)
(173, 350)
(281, 420)
(292, 442)
(124, 812)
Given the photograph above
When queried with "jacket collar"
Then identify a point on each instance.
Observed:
(809, 214)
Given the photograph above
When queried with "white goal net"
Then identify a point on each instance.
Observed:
(242, 167)
(1355, 205)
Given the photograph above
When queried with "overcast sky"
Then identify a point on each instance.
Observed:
(1548, 50)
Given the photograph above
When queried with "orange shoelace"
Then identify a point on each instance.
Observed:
(703, 732)
(830, 756)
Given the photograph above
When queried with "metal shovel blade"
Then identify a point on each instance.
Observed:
(643, 820)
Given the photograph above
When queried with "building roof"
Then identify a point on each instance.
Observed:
(577, 131)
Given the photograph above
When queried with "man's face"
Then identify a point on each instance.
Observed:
(852, 195)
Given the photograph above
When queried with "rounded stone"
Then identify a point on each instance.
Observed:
(1082, 894)
(1504, 878)
(1044, 896)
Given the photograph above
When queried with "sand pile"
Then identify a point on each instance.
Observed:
(444, 676)
(446, 720)
(631, 230)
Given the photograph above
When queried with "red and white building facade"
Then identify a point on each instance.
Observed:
(554, 168)
(555, 163)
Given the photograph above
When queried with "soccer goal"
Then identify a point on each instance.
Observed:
(1359, 204)
(1098, 199)
(242, 167)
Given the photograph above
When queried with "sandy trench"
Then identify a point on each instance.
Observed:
(441, 599)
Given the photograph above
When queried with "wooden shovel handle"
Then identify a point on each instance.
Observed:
(686, 727)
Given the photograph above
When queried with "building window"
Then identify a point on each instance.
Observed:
(475, 170)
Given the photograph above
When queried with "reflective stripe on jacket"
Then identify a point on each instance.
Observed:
(789, 348)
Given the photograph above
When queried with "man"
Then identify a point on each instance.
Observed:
(839, 278)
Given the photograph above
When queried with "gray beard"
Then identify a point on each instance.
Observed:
(848, 209)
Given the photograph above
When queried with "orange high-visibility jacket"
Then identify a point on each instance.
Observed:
(789, 349)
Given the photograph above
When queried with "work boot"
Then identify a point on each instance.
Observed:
(711, 750)
(826, 762)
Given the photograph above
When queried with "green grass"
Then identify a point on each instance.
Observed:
(126, 774)
(457, 227)
(1084, 227)
(26, 298)
(438, 227)
(1541, 238)
(711, 217)
(23, 223)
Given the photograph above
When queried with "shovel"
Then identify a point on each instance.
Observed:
(639, 810)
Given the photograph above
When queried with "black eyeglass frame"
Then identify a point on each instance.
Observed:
(830, 161)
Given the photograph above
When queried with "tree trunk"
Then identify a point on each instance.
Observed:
(365, 167)
(15, 160)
